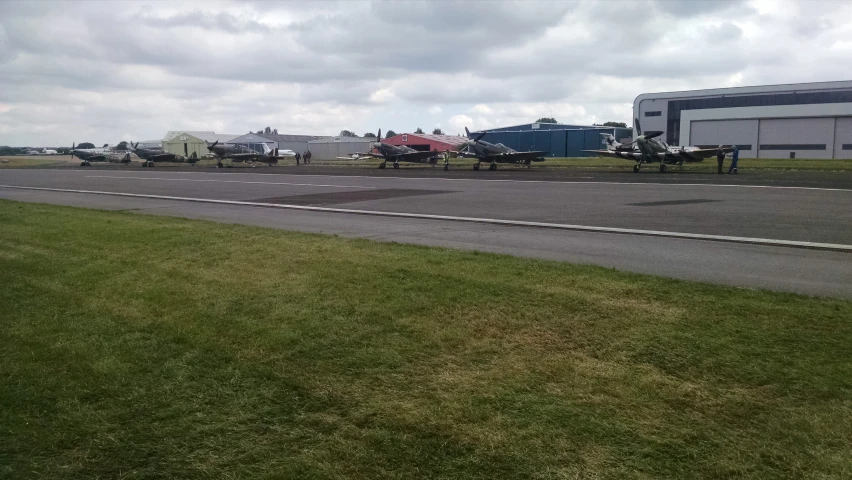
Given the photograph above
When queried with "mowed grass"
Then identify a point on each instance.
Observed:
(36, 161)
(603, 163)
(136, 346)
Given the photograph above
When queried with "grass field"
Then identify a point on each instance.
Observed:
(591, 163)
(599, 163)
(35, 161)
(136, 346)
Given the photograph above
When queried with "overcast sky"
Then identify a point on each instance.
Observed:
(104, 72)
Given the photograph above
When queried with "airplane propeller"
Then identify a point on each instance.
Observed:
(210, 147)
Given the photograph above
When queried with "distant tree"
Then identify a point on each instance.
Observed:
(85, 145)
(347, 133)
(267, 130)
(437, 131)
(612, 124)
(419, 130)
(275, 131)
(546, 120)
(390, 134)
(121, 145)
(369, 135)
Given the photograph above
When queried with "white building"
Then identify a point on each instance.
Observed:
(804, 120)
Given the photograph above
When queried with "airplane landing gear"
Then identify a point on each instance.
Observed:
(662, 167)
(446, 167)
(219, 165)
(85, 163)
(382, 165)
(493, 166)
(144, 163)
(395, 165)
(476, 166)
(636, 168)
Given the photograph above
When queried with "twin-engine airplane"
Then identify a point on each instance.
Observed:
(495, 153)
(648, 149)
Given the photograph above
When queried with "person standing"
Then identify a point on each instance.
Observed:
(720, 158)
(446, 160)
(309, 156)
(735, 156)
(298, 157)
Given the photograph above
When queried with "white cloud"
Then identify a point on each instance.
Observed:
(81, 72)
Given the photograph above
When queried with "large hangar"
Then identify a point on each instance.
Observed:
(804, 120)
(426, 142)
(329, 148)
(557, 139)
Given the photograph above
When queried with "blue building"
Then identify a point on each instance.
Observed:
(557, 139)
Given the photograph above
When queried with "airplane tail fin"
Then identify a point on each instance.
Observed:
(610, 141)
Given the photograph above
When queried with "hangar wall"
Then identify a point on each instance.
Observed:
(806, 120)
(557, 142)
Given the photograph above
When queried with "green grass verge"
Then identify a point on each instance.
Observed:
(25, 162)
(601, 163)
(136, 346)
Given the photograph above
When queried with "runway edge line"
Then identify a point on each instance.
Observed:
(492, 221)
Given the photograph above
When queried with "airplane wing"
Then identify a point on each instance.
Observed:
(628, 154)
(163, 157)
(515, 156)
(244, 156)
(416, 156)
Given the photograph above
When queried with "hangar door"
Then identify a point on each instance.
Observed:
(806, 137)
(843, 138)
(712, 133)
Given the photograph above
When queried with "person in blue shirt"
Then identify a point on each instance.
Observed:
(735, 155)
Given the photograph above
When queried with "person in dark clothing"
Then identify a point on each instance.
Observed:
(308, 156)
(735, 156)
(720, 158)
(298, 157)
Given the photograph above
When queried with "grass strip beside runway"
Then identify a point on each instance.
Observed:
(146, 346)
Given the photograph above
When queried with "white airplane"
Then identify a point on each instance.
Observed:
(356, 156)
(49, 152)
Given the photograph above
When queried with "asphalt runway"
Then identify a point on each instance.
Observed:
(722, 229)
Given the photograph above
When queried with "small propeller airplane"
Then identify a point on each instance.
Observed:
(646, 148)
(495, 153)
(239, 154)
(398, 153)
(103, 154)
(151, 155)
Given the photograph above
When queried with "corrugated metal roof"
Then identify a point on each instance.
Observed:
(279, 137)
(451, 139)
(174, 133)
(339, 139)
(209, 137)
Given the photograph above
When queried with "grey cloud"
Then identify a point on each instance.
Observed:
(318, 64)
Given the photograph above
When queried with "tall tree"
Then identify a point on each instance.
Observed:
(390, 134)
(419, 130)
(546, 120)
(437, 131)
(347, 133)
(612, 124)
(85, 145)
(369, 135)
(121, 145)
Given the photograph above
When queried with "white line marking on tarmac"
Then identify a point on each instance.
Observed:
(557, 182)
(231, 181)
(493, 221)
